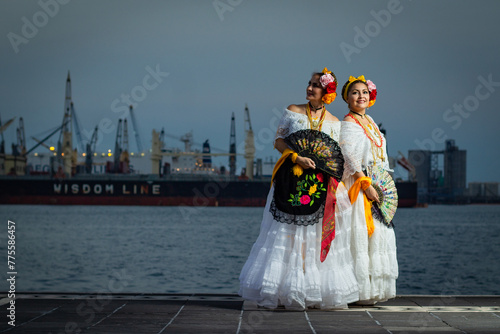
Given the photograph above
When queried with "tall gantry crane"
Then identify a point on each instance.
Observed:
(136, 129)
(65, 142)
(20, 147)
(91, 146)
(3, 127)
(232, 148)
(249, 145)
(78, 132)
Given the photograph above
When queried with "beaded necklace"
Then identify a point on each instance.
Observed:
(380, 152)
(316, 125)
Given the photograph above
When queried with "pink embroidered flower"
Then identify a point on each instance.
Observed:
(325, 79)
(371, 85)
(320, 177)
(305, 199)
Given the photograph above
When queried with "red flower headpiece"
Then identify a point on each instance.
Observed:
(328, 82)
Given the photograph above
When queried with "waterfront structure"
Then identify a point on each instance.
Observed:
(441, 175)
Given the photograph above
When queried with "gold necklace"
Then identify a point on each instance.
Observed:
(315, 125)
(377, 148)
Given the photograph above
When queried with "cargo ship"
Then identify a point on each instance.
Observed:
(149, 190)
(160, 175)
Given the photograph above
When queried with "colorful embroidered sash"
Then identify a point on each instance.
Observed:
(328, 228)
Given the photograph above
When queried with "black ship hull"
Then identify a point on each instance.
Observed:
(201, 191)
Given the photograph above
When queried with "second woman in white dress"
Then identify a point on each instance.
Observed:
(373, 243)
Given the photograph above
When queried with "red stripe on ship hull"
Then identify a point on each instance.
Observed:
(132, 200)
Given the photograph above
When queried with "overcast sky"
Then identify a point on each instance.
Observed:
(187, 65)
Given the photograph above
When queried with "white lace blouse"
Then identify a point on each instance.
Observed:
(292, 122)
(357, 150)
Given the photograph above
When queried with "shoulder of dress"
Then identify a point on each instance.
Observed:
(297, 109)
(348, 118)
(330, 117)
(348, 123)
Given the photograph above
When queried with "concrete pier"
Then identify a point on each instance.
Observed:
(212, 313)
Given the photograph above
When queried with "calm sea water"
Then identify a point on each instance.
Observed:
(441, 249)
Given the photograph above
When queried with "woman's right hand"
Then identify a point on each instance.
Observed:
(371, 193)
(305, 162)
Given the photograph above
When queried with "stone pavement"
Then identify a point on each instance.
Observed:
(212, 313)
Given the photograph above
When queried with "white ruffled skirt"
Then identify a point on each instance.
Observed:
(284, 267)
(375, 258)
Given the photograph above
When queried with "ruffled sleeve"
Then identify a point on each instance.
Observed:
(283, 126)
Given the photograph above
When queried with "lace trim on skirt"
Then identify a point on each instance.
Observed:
(302, 220)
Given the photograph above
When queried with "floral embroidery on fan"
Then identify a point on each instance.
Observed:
(308, 190)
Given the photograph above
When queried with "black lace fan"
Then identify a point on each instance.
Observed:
(319, 147)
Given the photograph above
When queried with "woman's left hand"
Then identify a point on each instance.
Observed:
(372, 195)
(305, 162)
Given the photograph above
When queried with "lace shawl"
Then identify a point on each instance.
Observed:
(356, 148)
(291, 122)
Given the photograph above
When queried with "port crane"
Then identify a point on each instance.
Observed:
(249, 145)
(20, 147)
(232, 147)
(78, 132)
(3, 127)
(157, 150)
(121, 159)
(41, 143)
(91, 146)
(403, 162)
(136, 129)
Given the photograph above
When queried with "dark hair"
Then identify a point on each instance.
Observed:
(350, 87)
(320, 74)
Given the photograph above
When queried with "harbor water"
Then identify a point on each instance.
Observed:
(111, 249)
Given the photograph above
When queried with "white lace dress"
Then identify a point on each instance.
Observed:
(375, 260)
(284, 266)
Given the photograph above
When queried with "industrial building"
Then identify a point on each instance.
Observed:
(441, 175)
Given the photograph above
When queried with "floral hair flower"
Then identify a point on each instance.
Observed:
(329, 83)
(373, 92)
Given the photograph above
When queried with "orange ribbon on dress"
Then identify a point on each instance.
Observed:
(282, 159)
(363, 183)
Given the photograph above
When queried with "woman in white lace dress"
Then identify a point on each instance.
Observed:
(285, 266)
(373, 244)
